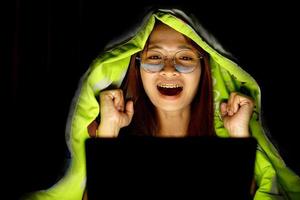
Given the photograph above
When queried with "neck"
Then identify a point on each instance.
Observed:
(173, 123)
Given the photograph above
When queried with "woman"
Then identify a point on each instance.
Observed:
(174, 78)
(167, 73)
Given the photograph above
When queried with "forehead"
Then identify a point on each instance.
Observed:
(163, 34)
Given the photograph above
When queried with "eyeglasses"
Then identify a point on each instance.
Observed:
(184, 61)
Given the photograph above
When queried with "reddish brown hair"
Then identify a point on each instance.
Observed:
(145, 121)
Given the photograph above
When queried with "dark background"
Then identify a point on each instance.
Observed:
(47, 45)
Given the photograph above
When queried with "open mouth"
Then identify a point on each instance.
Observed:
(169, 89)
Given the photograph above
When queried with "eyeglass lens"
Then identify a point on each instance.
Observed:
(185, 61)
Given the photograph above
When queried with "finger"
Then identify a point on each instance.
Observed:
(241, 102)
(110, 101)
(106, 100)
(246, 100)
(118, 99)
(127, 115)
(230, 103)
(236, 103)
(223, 108)
(246, 103)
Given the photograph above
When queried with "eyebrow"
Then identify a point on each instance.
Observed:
(160, 47)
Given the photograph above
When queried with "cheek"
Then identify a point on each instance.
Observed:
(193, 82)
(197, 79)
(147, 81)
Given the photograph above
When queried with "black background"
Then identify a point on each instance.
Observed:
(47, 45)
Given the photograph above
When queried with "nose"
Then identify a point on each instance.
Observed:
(169, 69)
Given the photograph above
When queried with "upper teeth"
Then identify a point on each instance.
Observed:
(168, 85)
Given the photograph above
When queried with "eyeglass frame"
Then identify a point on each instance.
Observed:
(166, 57)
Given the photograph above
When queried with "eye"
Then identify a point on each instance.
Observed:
(154, 57)
(186, 58)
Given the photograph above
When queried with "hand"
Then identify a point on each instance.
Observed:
(112, 113)
(236, 114)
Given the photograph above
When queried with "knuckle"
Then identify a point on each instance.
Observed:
(104, 93)
(234, 93)
(120, 92)
(101, 96)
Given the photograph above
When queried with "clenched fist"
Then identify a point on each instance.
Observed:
(115, 113)
(236, 114)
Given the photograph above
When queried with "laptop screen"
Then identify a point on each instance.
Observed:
(153, 167)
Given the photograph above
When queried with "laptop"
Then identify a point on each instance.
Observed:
(165, 168)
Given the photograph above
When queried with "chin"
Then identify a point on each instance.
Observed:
(169, 106)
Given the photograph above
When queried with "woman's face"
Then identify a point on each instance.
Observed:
(169, 89)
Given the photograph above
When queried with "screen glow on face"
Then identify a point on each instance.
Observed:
(184, 61)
